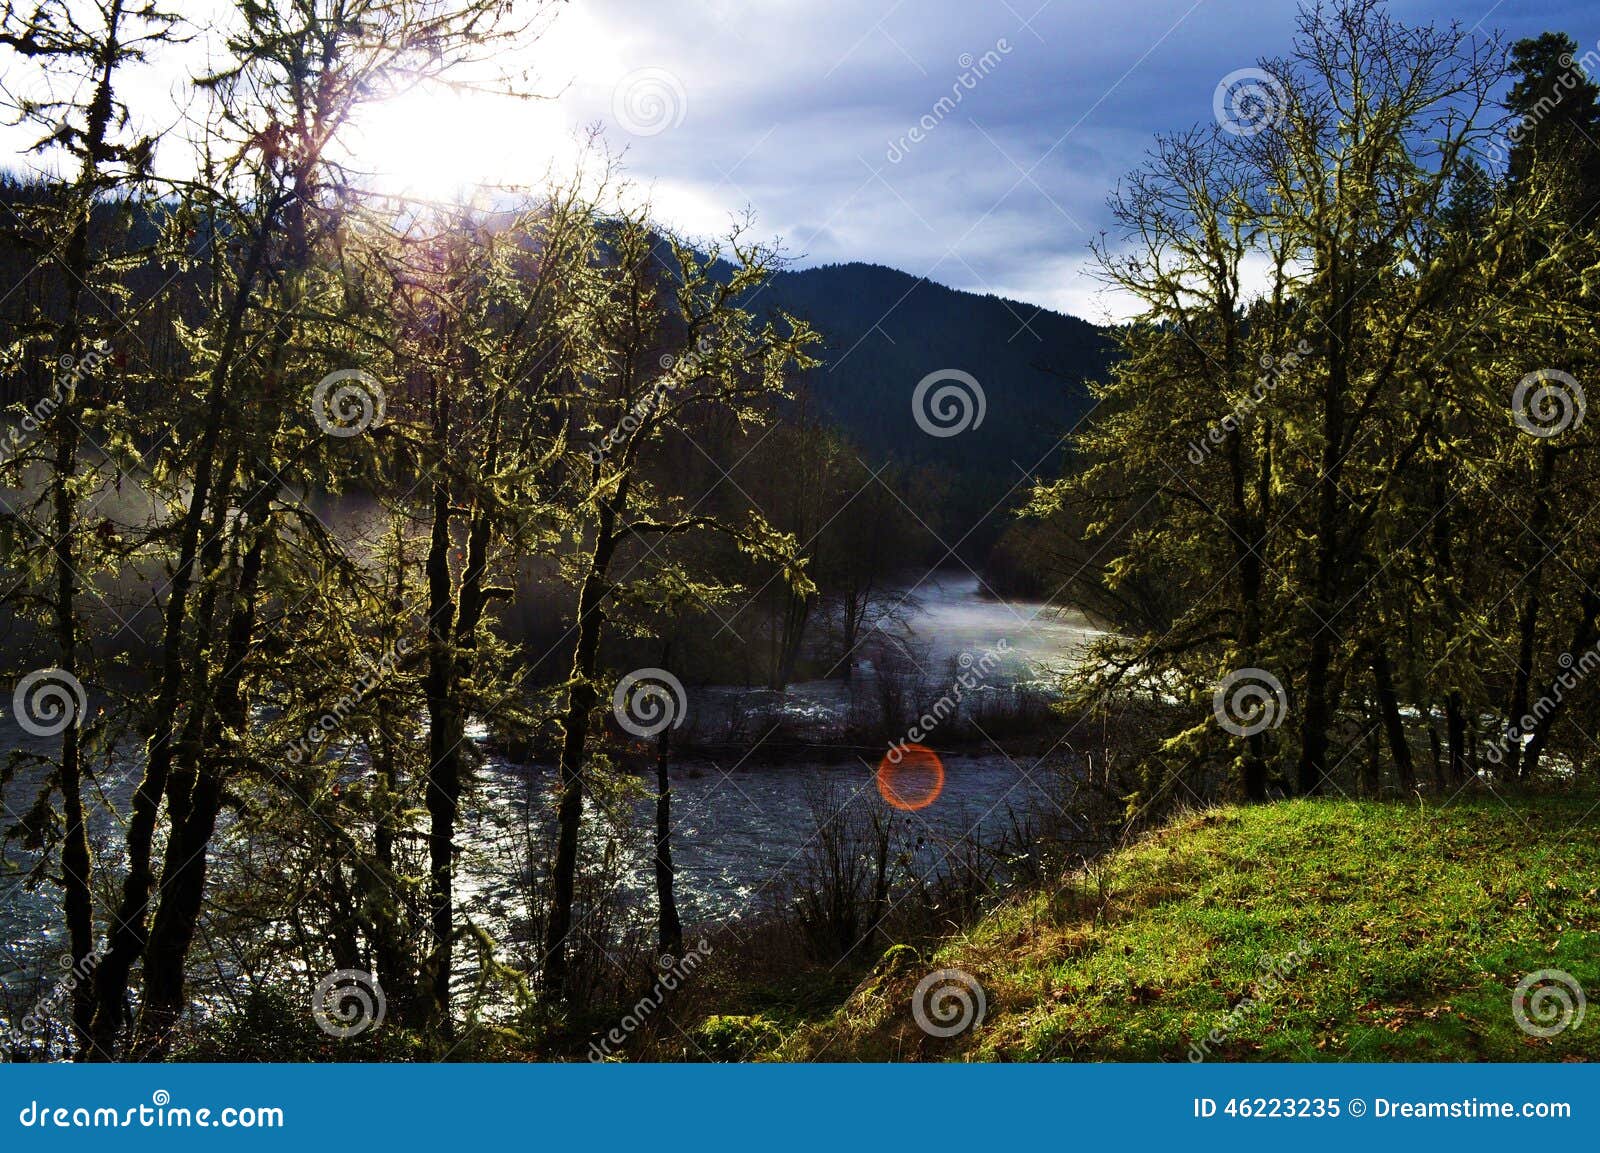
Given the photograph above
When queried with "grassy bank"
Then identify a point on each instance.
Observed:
(1305, 930)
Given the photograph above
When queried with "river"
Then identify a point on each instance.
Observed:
(741, 822)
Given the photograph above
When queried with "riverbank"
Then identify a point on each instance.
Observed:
(1298, 931)
(1307, 930)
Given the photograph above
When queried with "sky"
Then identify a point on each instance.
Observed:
(823, 117)
(801, 110)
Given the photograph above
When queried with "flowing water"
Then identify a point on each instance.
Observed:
(741, 823)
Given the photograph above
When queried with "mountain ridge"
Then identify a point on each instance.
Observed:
(886, 331)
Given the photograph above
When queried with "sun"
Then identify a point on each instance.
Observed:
(439, 143)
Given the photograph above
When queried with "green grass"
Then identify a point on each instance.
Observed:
(1398, 932)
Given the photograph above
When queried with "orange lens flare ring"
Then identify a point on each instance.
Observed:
(910, 777)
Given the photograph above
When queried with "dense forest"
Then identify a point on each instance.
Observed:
(365, 556)
(1340, 466)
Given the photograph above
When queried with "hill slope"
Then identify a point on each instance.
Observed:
(1306, 930)
(886, 330)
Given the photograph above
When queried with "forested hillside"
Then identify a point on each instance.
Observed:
(885, 330)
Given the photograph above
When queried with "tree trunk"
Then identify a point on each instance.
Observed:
(77, 902)
(1247, 552)
(391, 955)
(208, 742)
(669, 927)
(1456, 735)
(1444, 554)
(1563, 683)
(796, 612)
(76, 865)
(854, 612)
(184, 873)
(443, 792)
(1528, 617)
(581, 697)
(129, 930)
(1393, 724)
(1438, 757)
(1321, 697)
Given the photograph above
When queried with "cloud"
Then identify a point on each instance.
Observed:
(1025, 113)
(973, 144)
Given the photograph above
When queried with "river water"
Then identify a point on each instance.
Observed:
(742, 823)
